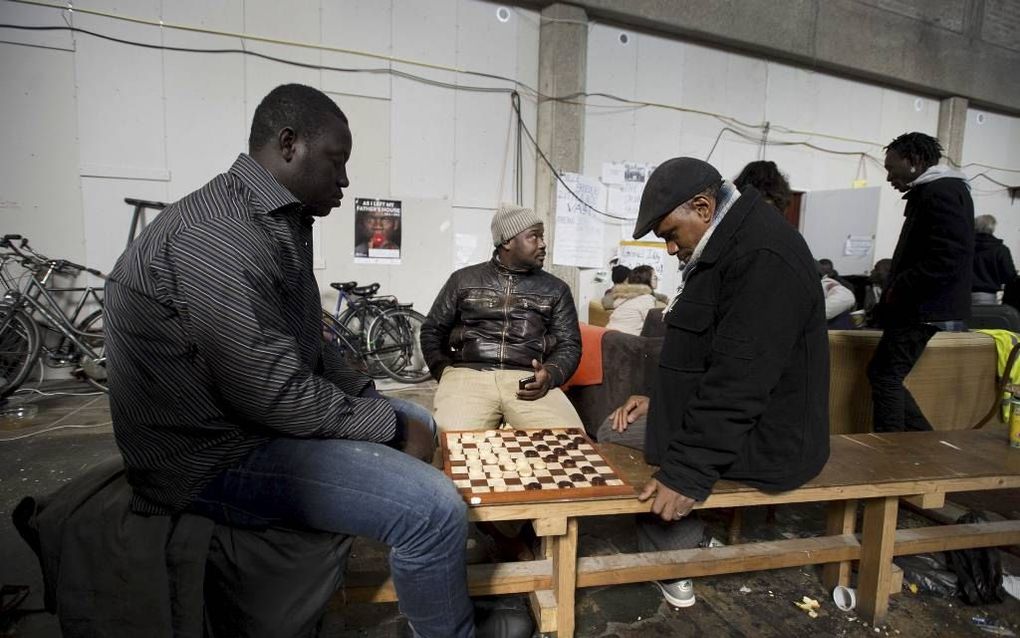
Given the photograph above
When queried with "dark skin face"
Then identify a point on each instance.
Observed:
(526, 251)
(900, 171)
(312, 168)
(685, 225)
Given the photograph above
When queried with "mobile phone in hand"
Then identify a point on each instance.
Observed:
(525, 381)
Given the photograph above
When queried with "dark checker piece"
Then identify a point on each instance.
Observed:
(577, 478)
(567, 484)
(531, 454)
(568, 463)
(598, 480)
(587, 469)
(573, 431)
(545, 432)
(532, 486)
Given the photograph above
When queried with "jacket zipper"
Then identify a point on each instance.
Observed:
(506, 317)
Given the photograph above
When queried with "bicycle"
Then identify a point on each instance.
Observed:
(31, 309)
(378, 335)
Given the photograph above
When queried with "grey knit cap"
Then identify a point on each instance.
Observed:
(510, 220)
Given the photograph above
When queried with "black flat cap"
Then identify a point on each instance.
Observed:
(674, 182)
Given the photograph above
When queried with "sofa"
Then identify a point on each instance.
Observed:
(954, 382)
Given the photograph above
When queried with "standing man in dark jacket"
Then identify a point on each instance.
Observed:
(503, 335)
(930, 277)
(993, 263)
(742, 390)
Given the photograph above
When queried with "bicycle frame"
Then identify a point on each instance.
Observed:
(37, 299)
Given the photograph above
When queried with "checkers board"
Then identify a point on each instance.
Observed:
(528, 465)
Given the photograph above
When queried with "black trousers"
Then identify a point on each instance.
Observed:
(899, 349)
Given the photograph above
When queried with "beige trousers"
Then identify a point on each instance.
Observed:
(478, 399)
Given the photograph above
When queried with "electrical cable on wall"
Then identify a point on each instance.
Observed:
(572, 98)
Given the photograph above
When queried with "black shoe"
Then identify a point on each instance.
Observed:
(503, 617)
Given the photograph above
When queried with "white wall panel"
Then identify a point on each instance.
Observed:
(108, 219)
(358, 25)
(39, 193)
(205, 96)
(120, 92)
(423, 127)
(994, 140)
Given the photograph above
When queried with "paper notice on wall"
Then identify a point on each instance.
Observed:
(579, 229)
(624, 200)
(858, 245)
(612, 172)
(646, 253)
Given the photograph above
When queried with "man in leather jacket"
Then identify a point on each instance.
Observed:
(503, 335)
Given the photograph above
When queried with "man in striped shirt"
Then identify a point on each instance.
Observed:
(224, 400)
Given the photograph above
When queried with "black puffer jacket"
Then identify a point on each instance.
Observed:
(490, 316)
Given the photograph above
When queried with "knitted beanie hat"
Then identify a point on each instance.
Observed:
(510, 220)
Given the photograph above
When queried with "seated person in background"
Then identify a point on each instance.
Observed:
(993, 263)
(619, 276)
(839, 301)
(879, 279)
(503, 335)
(635, 299)
(741, 391)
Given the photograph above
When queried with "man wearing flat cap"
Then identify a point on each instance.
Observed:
(503, 335)
(742, 387)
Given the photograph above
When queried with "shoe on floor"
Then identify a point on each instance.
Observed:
(679, 593)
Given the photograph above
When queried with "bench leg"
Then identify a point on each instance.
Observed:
(877, 541)
(564, 578)
(841, 519)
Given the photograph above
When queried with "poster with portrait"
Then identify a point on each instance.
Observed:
(376, 231)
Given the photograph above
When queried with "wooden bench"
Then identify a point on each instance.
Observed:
(872, 470)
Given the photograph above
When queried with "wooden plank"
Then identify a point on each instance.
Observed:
(550, 526)
(929, 501)
(483, 580)
(961, 536)
(877, 542)
(895, 579)
(617, 569)
(747, 497)
(543, 608)
(841, 519)
(564, 579)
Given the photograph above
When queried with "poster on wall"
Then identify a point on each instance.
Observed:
(625, 182)
(648, 253)
(580, 231)
(376, 231)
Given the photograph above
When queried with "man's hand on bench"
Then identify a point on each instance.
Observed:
(635, 407)
(669, 505)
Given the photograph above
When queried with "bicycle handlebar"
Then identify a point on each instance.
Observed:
(32, 259)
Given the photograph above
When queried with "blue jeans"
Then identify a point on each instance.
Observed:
(361, 489)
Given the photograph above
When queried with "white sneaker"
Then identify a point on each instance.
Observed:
(679, 593)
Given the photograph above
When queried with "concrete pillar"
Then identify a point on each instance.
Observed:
(952, 121)
(562, 67)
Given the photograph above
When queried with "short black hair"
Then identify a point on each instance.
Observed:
(765, 177)
(305, 109)
(917, 148)
(620, 274)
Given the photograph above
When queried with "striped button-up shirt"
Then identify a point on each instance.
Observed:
(213, 340)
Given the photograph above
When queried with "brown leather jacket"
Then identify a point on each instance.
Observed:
(489, 316)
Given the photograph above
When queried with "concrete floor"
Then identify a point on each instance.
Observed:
(71, 433)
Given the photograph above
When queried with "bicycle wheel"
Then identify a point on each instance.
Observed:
(19, 348)
(356, 320)
(335, 336)
(394, 341)
(93, 369)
